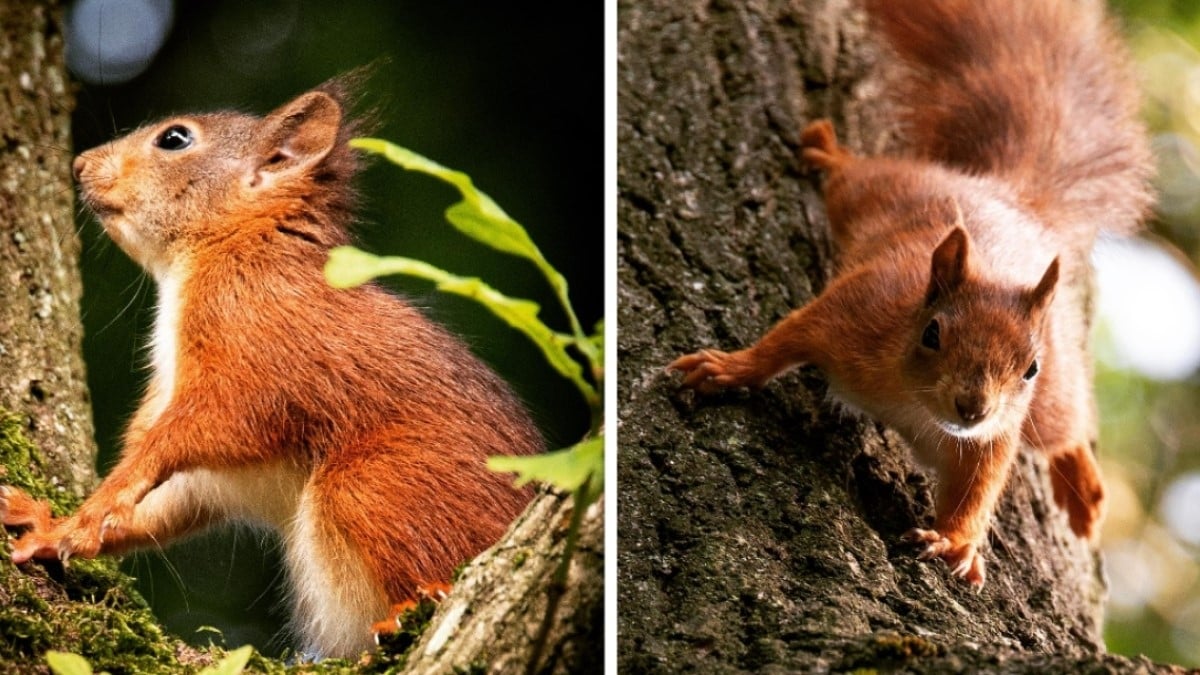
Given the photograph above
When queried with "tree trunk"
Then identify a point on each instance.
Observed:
(494, 615)
(46, 444)
(40, 329)
(762, 531)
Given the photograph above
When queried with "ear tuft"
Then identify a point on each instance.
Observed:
(1037, 299)
(297, 136)
(950, 264)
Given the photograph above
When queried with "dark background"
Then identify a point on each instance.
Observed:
(513, 95)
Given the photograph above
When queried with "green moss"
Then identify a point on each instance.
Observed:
(475, 668)
(88, 607)
(906, 647)
(21, 466)
(888, 652)
(395, 647)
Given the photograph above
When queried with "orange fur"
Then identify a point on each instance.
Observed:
(948, 319)
(343, 418)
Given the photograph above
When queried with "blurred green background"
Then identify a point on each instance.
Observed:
(1148, 385)
(516, 103)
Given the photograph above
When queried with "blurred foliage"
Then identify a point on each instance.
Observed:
(1150, 430)
(516, 103)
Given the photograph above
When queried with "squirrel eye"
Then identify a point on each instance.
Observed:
(174, 138)
(1033, 370)
(932, 338)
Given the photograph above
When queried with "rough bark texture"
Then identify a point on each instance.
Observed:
(490, 621)
(40, 331)
(761, 531)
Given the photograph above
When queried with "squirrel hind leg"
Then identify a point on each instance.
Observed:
(334, 596)
(820, 148)
(412, 505)
(1079, 490)
(429, 595)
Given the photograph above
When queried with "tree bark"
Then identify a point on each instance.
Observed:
(761, 531)
(493, 617)
(40, 329)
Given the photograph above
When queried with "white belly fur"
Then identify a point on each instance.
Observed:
(334, 599)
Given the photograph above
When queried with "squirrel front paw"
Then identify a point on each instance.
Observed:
(963, 558)
(97, 523)
(710, 370)
(18, 509)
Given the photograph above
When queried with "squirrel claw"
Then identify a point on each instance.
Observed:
(710, 370)
(963, 559)
(18, 509)
(434, 592)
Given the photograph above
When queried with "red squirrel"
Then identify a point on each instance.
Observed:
(344, 419)
(956, 314)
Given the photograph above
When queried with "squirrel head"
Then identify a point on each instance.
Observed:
(975, 346)
(165, 189)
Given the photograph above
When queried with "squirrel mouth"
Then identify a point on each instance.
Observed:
(101, 209)
(966, 430)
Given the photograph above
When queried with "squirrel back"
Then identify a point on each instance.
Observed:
(1036, 94)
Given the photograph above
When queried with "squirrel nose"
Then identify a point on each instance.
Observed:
(77, 166)
(971, 408)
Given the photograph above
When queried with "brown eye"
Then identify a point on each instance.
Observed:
(1033, 370)
(932, 337)
(174, 138)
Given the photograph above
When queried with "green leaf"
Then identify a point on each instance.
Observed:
(478, 216)
(597, 340)
(566, 470)
(348, 266)
(233, 663)
(66, 663)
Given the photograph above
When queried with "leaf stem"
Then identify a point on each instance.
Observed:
(558, 584)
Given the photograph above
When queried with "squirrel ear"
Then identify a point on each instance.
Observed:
(1037, 299)
(297, 136)
(949, 268)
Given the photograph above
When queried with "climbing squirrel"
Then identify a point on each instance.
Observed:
(956, 315)
(344, 419)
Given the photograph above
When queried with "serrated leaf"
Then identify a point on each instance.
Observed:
(233, 663)
(66, 663)
(347, 265)
(566, 470)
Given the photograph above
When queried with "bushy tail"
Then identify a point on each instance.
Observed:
(1036, 92)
